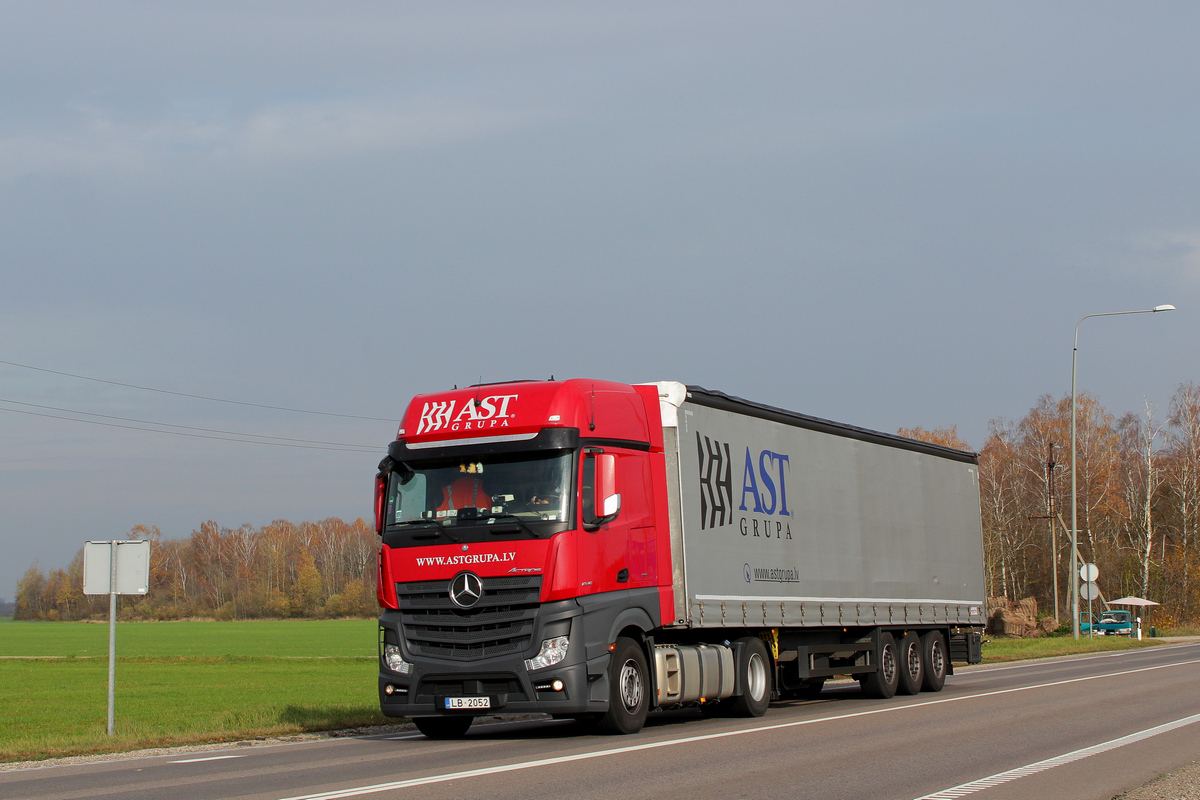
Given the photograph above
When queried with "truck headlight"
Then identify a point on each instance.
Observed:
(553, 651)
(394, 661)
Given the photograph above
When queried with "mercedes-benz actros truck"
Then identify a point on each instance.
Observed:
(596, 550)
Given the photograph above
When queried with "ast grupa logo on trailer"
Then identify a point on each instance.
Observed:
(487, 412)
(764, 490)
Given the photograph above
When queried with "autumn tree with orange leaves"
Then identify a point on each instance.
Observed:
(314, 569)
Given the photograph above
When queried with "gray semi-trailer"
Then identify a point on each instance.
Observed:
(826, 536)
(598, 550)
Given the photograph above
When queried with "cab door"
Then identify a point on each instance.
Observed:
(616, 551)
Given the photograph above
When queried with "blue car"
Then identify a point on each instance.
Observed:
(1110, 623)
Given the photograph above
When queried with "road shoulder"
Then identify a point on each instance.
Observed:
(1182, 784)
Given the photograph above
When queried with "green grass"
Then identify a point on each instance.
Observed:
(181, 683)
(282, 638)
(195, 682)
(998, 650)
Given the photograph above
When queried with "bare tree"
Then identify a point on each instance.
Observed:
(1142, 476)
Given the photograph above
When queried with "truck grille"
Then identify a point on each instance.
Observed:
(501, 623)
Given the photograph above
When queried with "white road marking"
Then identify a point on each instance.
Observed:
(357, 791)
(208, 758)
(1066, 758)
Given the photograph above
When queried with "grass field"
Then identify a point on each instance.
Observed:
(999, 650)
(192, 682)
(181, 682)
(281, 638)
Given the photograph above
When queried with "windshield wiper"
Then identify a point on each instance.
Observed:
(438, 529)
(514, 518)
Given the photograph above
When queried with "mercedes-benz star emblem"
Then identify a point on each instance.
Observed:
(465, 589)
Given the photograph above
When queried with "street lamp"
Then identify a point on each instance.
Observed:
(1074, 502)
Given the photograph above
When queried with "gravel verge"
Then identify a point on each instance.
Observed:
(1182, 784)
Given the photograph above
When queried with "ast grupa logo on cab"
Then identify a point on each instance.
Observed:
(474, 414)
(764, 490)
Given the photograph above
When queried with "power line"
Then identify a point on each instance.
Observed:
(348, 449)
(183, 427)
(195, 396)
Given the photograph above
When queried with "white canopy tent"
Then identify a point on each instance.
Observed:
(1132, 601)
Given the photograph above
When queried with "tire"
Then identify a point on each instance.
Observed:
(753, 676)
(443, 727)
(628, 690)
(882, 682)
(912, 664)
(936, 661)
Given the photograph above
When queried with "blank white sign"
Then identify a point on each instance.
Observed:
(133, 567)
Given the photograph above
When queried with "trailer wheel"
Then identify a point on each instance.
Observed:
(933, 654)
(912, 664)
(628, 686)
(754, 676)
(443, 727)
(882, 682)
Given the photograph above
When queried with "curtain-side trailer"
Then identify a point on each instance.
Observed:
(597, 550)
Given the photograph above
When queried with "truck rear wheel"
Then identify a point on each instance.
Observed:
(882, 682)
(912, 664)
(443, 727)
(933, 653)
(754, 676)
(628, 687)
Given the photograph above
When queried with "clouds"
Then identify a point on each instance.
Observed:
(96, 143)
(886, 215)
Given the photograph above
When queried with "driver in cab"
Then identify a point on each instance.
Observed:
(465, 491)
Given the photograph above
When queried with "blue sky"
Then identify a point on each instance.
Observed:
(888, 215)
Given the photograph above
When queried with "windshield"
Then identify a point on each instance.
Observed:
(530, 487)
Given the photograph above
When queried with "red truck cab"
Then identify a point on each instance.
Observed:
(520, 537)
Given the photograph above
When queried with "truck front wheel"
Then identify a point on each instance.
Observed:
(628, 687)
(443, 727)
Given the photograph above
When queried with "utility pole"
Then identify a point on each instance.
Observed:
(1050, 516)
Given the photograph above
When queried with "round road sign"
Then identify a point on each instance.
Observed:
(1089, 591)
(1089, 572)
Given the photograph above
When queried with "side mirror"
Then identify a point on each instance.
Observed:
(600, 477)
(612, 505)
(380, 492)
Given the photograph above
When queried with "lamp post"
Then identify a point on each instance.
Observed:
(1074, 570)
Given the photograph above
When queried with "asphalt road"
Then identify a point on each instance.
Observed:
(1087, 727)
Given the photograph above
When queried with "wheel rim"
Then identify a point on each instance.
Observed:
(937, 660)
(631, 685)
(914, 661)
(888, 665)
(756, 677)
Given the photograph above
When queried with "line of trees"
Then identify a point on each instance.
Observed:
(1139, 521)
(314, 569)
(1138, 488)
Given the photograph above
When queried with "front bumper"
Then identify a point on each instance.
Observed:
(503, 679)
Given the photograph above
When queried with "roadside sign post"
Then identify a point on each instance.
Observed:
(112, 568)
(1090, 591)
